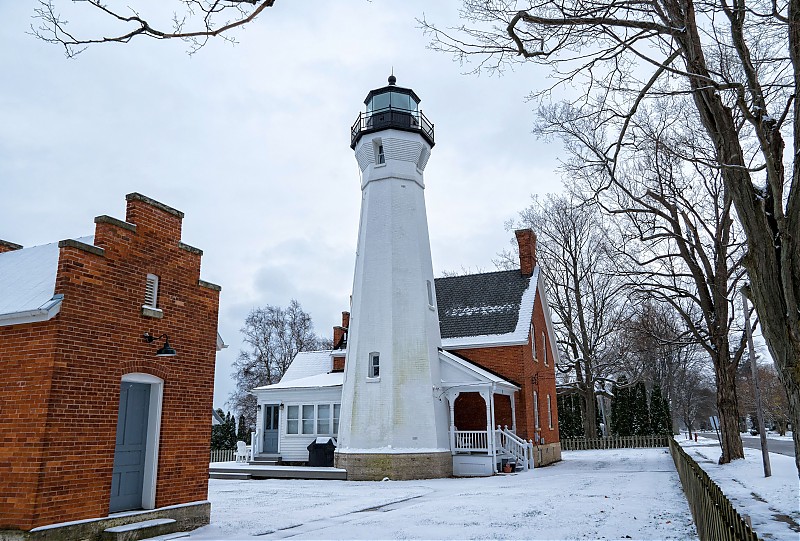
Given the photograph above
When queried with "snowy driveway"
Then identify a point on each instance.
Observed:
(614, 494)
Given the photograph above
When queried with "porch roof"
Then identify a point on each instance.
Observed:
(466, 374)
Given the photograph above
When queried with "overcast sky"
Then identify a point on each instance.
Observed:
(252, 142)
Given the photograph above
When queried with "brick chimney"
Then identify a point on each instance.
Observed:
(338, 336)
(526, 239)
(6, 246)
(345, 319)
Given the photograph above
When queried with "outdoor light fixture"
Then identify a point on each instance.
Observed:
(166, 350)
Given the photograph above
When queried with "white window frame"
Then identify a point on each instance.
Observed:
(296, 419)
(544, 348)
(536, 424)
(334, 414)
(533, 343)
(312, 419)
(430, 295)
(549, 412)
(374, 366)
(380, 152)
(329, 420)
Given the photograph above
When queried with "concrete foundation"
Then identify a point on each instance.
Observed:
(397, 467)
(544, 455)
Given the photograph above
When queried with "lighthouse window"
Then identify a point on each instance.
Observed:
(374, 365)
(380, 158)
(430, 294)
(380, 101)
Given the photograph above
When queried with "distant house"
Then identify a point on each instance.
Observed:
(497, 341)
(97, 417)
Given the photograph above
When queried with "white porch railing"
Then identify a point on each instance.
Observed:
(510, 443)
(466, 441)
(223, 455)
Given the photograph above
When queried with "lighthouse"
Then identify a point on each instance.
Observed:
(394, 419)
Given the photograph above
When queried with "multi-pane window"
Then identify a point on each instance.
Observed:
(336, 411)
(151, 291)
(308, 419)
(549, 413)
(536, 409)
(322, 419)
(380, 157)
(374, 364)
(533, 343)
(292, 419)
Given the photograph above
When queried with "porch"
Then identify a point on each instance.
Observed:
(479, 402)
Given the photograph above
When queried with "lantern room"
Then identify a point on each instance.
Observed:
(391, 107)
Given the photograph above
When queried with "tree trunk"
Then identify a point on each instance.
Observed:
(728, 412)
(590, 413)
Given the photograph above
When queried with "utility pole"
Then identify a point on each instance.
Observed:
(756, 391)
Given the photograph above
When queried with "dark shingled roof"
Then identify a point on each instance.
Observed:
(480, 304)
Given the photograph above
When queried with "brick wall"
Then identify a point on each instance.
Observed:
(517, 364)
(60, 389)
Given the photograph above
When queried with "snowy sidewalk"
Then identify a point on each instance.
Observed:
(772, 503)
(617, 493)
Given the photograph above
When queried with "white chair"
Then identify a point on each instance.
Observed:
(242, 454)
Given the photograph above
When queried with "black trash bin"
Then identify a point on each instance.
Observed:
(320, 452)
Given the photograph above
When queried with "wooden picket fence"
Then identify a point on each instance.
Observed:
(614, 442)
(714, 516)
(223, 455)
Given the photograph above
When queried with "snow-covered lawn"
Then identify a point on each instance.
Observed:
(617, 494)
(773, 503)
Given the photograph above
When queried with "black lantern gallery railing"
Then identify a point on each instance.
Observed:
(391, 117)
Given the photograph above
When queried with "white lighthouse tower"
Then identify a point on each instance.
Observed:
(394, 421)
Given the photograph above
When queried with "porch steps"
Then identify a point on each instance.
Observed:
(231, 476)
(141, 530)
(266, 459)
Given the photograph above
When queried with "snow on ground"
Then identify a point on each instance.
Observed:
(614, 494)
(773, 503)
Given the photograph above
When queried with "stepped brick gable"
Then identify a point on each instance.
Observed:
(64, 359)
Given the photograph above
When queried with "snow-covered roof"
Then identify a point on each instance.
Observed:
(489, 309)
(28, 282)
(308, 363)
(332, 379)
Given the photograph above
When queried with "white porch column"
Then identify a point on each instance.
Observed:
(487, 397)
(451, 400)
(513, 414)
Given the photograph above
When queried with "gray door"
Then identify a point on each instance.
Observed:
(129, 454)
(271, 418)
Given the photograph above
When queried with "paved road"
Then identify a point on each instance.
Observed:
(783, 447)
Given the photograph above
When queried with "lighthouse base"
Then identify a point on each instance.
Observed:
(395, 466)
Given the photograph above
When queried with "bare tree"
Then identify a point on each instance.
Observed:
(118, 22)
(584, 293)
(678, 246)
(273, 337)
(738, 61)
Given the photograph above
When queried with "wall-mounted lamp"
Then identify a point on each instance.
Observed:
(166, 350)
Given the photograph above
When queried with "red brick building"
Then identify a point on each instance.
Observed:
(94, 422)
(497, 358)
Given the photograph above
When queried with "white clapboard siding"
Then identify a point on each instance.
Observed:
(294, 447)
